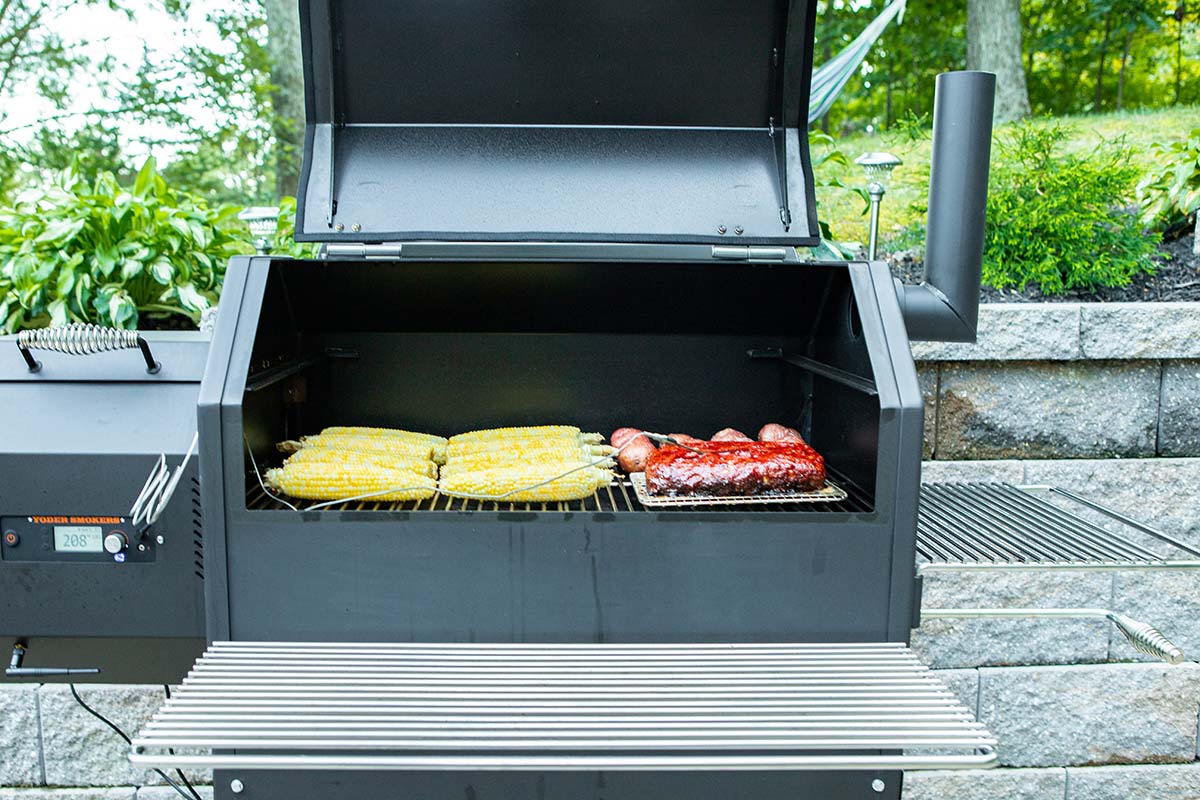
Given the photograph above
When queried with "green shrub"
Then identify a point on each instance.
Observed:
(824, 151)
(1062, 220)
(1170, 192)
(146, 256)
(284, 244)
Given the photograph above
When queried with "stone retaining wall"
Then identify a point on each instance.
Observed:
(1048, 396)
(1116, 380)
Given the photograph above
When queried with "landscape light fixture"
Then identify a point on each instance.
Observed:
(263, 222)
(878, 168)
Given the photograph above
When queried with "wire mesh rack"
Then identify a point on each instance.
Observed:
(963, 526)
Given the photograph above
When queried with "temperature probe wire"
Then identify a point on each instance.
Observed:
(193, 796)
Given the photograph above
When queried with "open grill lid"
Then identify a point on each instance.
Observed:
(675, 121)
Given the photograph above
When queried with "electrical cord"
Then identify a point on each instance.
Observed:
(193, 796)
(171, 750)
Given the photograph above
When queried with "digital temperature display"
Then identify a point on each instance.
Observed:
(78, 539)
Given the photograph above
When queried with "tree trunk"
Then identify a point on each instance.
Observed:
(287, 96)
(1100, 64)
(994, 45)
(1180, 16)
(1124, 62)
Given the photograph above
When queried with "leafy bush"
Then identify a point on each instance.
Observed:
(823, 151)
(1062, 220)
(147, 256)
(1170, 193)
(285, 245)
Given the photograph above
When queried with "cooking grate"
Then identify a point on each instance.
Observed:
(1000, 526)
(338, 705)
(618, 497)
(830, 492)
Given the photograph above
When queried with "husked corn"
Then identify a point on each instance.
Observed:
(527, 432)
(562, 443)
(550, 467)
(517, 455)
(527, 484)
(370, 444)
(438, 442)
(332, 455)
(324, 481)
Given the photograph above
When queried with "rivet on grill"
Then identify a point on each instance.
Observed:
(356, 227)
(878, 785)
(339, 227)
(236, 786)
(739, 230)
(721, 229)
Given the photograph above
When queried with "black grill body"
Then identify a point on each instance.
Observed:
(443, 346)
(80, 437)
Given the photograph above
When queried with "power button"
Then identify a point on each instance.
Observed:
(11, 539)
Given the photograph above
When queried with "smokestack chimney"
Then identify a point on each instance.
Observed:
(945, 307)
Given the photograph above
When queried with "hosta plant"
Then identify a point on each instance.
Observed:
(1170, 194)
(140, 256)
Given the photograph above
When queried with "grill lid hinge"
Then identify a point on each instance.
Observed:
(369, 252)
(742, 253)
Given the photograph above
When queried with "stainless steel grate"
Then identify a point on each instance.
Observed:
(830, 492)
(1000, 526)
(618, 497)
(286, 705)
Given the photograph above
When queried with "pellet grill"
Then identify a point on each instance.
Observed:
(537, 211)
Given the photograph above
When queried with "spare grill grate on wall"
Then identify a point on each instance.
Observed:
(982, 526)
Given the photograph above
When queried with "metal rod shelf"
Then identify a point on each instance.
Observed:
(291, 705)
(998, 526)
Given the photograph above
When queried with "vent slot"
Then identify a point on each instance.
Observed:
(197, 529)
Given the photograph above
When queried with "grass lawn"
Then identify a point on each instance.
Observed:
(905, 203)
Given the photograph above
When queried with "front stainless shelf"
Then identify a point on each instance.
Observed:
(997, 526)
(292, 705)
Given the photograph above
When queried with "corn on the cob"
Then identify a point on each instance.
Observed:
(324, 481)
(563, 443)
(537, 484)
(438, 442)
(362, 444)
(549, 467)
(515, 454)
(331, 455)
(527, 432)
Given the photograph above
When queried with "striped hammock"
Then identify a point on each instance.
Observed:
(829, 79)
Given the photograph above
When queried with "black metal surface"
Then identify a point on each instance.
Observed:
(946, 306)
(284, 785)
(86, 442)
(472, 346)
(550, 121)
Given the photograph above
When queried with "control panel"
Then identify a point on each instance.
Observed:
(67, 539)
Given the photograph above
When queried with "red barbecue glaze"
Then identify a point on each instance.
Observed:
(735, 469)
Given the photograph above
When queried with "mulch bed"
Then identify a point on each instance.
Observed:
(1176, 278)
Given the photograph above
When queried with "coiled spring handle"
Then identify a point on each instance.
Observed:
(78, 339)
